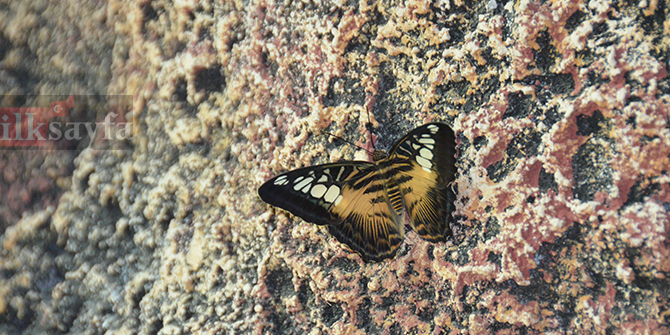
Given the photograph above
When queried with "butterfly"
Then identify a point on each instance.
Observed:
(362, 203)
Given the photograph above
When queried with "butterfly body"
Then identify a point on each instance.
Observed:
(363, 203)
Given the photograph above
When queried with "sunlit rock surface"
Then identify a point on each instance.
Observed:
(561, 111)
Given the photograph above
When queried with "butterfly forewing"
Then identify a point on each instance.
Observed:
(347, 198)
(310, 192)
(426, 165)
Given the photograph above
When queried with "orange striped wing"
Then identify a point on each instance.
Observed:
(362, 203)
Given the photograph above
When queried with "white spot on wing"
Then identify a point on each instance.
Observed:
(426, 141)
(332, 194)
(318, 190)
(324, 178)
(427, 154)
(299, 186)
(425, 164)
(339, 174)
(433, 128)
(281, 180)
(338, 199)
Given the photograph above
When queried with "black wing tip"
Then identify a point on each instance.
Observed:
(302, 208)
(439, 124)
(264, 191)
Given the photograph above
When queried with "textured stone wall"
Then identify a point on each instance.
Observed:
(561, 111)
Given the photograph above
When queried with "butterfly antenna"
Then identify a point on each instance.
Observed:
(369, 124)
(343, 140)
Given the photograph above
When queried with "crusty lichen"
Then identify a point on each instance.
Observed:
(560, 110)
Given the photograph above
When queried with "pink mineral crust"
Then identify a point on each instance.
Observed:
(562, 112)
(560, 109)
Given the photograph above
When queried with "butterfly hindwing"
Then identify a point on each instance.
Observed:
(345, 197)
(427, 155)
(366, 221)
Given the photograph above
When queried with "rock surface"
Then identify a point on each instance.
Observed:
(561, 110)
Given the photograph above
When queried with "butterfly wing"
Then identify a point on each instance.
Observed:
(426, 165)
(349, 198)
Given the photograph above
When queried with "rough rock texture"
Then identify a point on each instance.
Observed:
(561, 110)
